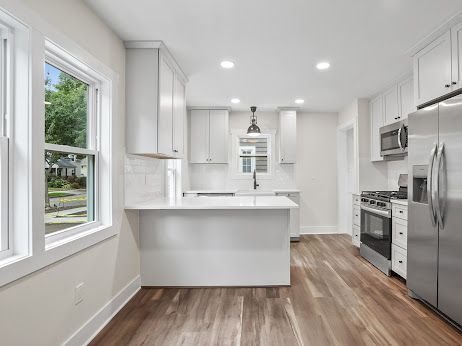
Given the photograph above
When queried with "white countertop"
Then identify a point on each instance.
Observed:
(399, 201)
(218, 191)
(200, 203)
(211, 191)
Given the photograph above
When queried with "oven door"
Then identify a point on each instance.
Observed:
(376, 230)
(393, 139)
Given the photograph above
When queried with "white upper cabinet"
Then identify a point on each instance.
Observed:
(219, 134)
(209, 136)
(287, 136)
(179, 116)
(390, 105)
(155, 101)
(165, 115)
(377, 121)
(199, 136)
(432, 70)
(406, 98)
(456, 39)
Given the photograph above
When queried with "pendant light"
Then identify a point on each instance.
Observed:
(253, 129)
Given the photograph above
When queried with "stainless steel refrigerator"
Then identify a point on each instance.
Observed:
(434, 272)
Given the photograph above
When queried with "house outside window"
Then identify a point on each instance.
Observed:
(253, 154)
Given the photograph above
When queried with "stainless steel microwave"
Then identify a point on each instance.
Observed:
(393, 139)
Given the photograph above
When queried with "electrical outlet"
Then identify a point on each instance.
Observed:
(78, 293)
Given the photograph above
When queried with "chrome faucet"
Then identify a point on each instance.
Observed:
(255, 179)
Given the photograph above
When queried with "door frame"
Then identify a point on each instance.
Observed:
(344, 197)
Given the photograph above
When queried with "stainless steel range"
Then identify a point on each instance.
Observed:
(376, 226)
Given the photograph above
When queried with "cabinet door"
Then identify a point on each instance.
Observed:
(179, 112)
(406, 98)
(390, 106)
(456, 39)
(218, 136)
(376, 111)
(165, 120)
(199, 136)
(287, 136)
(432, 70)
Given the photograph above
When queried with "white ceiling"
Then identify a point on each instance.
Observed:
(277, 43)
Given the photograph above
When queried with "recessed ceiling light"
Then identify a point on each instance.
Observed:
(299, 101)
(323, 65)
(227, 64)
(235, 100)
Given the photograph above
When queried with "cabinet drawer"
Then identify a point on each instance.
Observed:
(399, 232)
(355, 237)
(399, 211)
(399, 260)
(356, 200)
(356, 215)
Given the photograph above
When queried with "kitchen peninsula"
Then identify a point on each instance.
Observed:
(215, 241)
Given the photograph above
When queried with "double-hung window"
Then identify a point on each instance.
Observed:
(71, 149)
(253, 154)
(5, 88)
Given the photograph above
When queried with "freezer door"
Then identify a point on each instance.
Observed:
(450, 202)
(422, 260)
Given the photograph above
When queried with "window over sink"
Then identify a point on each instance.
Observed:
(251, 154)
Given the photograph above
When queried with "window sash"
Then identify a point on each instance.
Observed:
(5, 241)
(92, 195)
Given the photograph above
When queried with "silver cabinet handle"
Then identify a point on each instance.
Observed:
(430, 184)
(440, 205)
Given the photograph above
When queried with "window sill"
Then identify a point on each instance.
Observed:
(16, 267)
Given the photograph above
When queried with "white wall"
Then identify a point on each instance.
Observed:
(39, 309)
(314, 173)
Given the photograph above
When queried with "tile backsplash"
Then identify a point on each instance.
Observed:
(217, 176)
(144, 179)
(395, 168)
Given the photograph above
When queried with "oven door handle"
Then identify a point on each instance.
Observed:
(399, 138)
(385, 213)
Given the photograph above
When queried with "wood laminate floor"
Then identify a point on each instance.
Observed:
(336, 298)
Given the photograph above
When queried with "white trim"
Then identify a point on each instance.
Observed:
(85, 334)
(233, 167)
(69, 150)
(318, 230)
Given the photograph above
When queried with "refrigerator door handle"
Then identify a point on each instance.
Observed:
(430, 185)
(440, 196)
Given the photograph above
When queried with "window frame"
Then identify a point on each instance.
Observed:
(93, 114)
(6, 51)
(31, 37)
(234, 167)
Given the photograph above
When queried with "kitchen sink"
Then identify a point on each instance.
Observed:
(254, 193)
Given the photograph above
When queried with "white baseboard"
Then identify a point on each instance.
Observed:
(94, 325)
(318, 230)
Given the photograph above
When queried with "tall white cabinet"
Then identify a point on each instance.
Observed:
(209, 135)
(155, 101)
(287, 136)
(377, 121)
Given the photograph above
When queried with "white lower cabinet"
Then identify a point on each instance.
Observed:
(356, 221)
(399, 260)
(399, 239)
(294, 214)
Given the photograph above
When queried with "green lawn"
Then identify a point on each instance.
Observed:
(53, 194)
